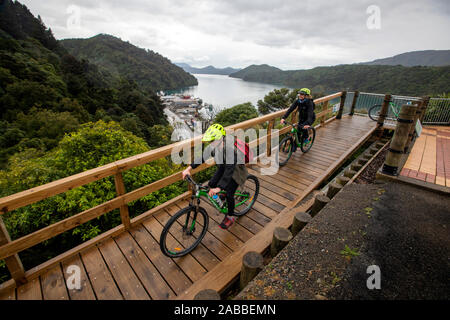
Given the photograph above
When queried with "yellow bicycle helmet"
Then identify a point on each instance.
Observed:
(214, 132)
(305, 91)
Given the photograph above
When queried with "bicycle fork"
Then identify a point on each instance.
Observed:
(189, 229)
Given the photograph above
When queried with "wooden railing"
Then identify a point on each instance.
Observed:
(9, 249)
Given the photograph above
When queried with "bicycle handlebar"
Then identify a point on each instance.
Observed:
(190, 180)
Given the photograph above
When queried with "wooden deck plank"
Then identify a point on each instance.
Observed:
(9, 294)
(415, 157)
(85, 292)
(30, 290)
(126, 279)
(100, 277)
(149, 276)
(428, 164)
(54, 285)
(171, 272)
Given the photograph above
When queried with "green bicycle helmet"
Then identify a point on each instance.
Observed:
(214, 132)
(305, 91)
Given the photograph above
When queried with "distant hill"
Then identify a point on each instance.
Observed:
(416, 58)
(260, 73)
(207, 70)
(150, 70)
(370, 78)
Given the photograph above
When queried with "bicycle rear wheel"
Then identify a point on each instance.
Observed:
(183, 232)
(285, 150)
(374, 112)
(245, 195)
(308, 142)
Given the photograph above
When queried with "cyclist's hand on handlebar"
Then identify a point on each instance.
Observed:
(282, 121)
(186, 172)
(306, 126)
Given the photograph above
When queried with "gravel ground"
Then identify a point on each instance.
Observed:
(385, 224)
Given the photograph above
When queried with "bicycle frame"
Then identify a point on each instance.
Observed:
(294, 133)
(201, 191)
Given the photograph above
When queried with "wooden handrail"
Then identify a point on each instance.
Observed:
(33, 195)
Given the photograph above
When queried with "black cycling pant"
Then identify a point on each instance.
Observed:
(230, 188)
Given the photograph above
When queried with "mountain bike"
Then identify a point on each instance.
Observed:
(374, 111)
(286, 145)
(185, 229)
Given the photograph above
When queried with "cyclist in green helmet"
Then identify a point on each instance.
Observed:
(306, 115)
(228, 176)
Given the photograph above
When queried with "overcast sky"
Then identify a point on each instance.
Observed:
(290, 34)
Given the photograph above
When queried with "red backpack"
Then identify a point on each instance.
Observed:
(245, 149)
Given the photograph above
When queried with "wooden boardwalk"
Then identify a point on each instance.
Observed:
(131, 266)
(429, 159)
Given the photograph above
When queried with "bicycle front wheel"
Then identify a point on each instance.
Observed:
(309, 140)
(245, 195)
(285, 150)
(183, 232)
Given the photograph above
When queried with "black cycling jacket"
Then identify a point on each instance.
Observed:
(306, 114)
(237, 172)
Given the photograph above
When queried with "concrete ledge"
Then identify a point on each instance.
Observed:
(422, 184)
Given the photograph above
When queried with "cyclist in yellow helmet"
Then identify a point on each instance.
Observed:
(228, 176)
(306, 115)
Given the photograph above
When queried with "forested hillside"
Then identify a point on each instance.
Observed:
(416, 58)
(46, 92)
(150, 70)
(379, 79)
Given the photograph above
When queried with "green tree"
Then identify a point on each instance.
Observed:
(93, 145)
(236, 114)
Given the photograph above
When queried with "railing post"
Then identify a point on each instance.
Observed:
(13, 262)
(424, 108)
(269, 137)
(341, 106)
(120, 189)
(412, 129)
(324, 108)
(383, 114)
(355, 98)
(397, 145)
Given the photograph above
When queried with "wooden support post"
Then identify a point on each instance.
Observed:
(269, 137)
(333, 189)
(355, 98)
(412, 129)
(341, 106)
(398, 142)
(373, 150)
(301, 219)
(120, 189)
(424, 108)
(322, 119)
(252, 264)
(281, 237)
(356, 166)
(13, 263)
(320, 202)
(383, 113)
(349, 173)
(207, 294)
(343, 180)
(294, 118)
